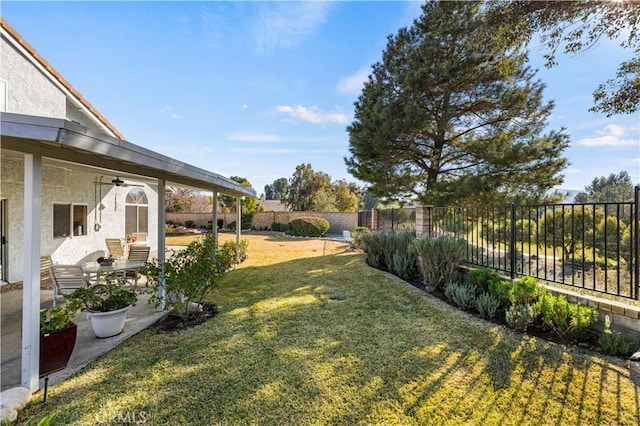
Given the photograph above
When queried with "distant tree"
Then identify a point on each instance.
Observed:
(616, 188)
(558, 226)
(268, 192)
(370, 201)
(277, 190)
(324, 200)
(187, 200)
(345, 198)
(448, 117)
(303, 186)
(578, 26)
(249, 203)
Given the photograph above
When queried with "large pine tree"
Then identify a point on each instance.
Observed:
(447, 117)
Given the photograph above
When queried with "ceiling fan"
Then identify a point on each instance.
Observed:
(118, 182)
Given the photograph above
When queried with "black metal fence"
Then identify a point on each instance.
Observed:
(591, 246)
(404, 218)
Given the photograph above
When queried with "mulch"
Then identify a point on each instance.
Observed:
(172, 323)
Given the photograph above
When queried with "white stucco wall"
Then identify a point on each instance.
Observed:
(28, 90)
(63, 185)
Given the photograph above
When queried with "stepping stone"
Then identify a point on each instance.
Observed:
(15, 398)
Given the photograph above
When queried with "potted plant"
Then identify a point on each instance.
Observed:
(57, 338)
(188, 275)
(106, 305)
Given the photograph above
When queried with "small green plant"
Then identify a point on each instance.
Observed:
(525, 291)
(613, 342)
(189, 275)
(463, 295)
(568, 320)
(107, 297)
(45, 421)
(481, 278)
(357, 236)
(520, 316)
(500, 289)
(487, 305)
(308, 227)
(55, 319)
(439, 259)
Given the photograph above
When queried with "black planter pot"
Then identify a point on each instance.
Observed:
(56, 349)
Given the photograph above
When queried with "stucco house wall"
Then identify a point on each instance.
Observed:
(32, 91)
(28, 90)
(63, 185)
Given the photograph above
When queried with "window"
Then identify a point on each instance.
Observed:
(69, 219)
(79, 220)
(136, 209)
(61, 220)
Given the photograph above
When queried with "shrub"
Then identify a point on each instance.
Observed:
(500, 289)
(487, 304)
(279, 227)
(357, 235)
(231, 225)
(613, 342)
(391, 251)
(308, 227)
(520, 316)
(524, 291)
(238, 251)
(569, 320)
(462, 295)
(189, 224)
(399, 258)
(373, 244)
(189, 274)
(481, 278)
(439, 259)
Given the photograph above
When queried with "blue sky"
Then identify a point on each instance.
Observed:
(254, 88)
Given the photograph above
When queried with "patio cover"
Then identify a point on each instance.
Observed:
(42, 137)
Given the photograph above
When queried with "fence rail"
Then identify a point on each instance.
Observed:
(591, 246)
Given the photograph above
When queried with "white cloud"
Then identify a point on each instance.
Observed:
(611, 136)
(288, 23)
(353, 84)
(245, 106)
(175, 116)
(312, 115)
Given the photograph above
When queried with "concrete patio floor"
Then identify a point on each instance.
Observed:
(87, 348)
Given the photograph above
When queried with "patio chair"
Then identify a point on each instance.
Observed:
(137, 253)
(114, 247)
(45, 272)
(66, 279)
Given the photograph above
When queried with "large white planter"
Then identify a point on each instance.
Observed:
(107, 324)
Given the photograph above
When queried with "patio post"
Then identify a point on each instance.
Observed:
(214, 224)
(162, 219)
(238, 225)
(31, 272)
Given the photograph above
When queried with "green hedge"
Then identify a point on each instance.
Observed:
(308, 227)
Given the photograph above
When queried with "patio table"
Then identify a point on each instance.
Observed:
(94, 269)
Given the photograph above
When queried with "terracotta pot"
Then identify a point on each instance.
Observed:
(56, 349)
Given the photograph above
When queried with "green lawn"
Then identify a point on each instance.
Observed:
(308, 334)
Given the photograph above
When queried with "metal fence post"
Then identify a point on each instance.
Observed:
(512, 242)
